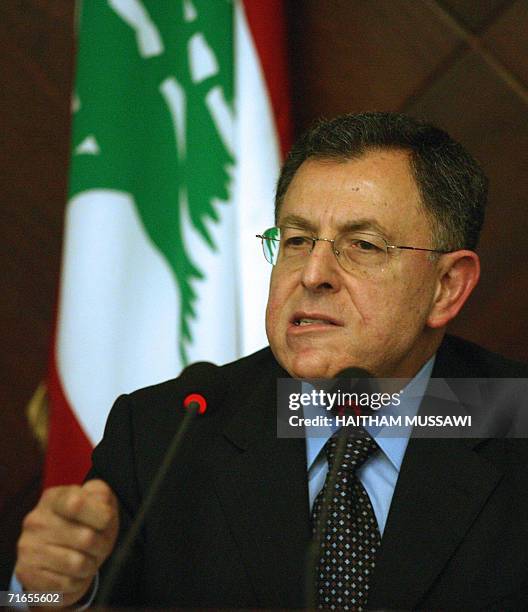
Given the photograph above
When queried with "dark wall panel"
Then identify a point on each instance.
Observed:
(352, 56)
(481, 112)
(474, 15)
(36, 68)
(508, 40)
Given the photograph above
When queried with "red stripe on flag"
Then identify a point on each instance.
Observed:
(267, 23)
(68, 455)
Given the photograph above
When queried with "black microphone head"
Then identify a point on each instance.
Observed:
(355, 379)
(353, 372)
(202, 387)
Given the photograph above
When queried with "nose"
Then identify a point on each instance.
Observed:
(321, 271)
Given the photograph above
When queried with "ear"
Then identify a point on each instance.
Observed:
(458, 274)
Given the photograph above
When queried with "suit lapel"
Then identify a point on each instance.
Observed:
(262, 486)
(442, 487)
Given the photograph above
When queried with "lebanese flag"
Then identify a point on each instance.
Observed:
(181, 117)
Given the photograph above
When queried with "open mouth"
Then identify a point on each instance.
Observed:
(304, 319)
(302, 322)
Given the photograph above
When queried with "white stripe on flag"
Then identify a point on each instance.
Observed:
(257, 171)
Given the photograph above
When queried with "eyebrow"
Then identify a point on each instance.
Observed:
(358, 225)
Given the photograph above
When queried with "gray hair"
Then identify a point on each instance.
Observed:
(451, 183)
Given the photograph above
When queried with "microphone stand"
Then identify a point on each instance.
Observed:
(123, 550)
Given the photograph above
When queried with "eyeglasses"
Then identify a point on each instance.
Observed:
(355, 251)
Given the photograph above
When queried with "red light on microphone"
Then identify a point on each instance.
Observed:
(198, 399)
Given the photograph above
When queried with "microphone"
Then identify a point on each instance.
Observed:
(355, 377)
(207, 377)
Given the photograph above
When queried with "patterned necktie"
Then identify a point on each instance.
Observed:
(351, 535)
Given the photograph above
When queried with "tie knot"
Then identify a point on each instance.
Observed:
(357, 451)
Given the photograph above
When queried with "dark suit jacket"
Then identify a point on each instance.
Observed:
(232, 522)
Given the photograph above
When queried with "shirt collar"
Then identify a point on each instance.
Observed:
(393, 448)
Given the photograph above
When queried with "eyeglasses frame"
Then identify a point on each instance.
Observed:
(336, 252)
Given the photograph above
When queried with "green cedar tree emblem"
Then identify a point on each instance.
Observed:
(150, 74)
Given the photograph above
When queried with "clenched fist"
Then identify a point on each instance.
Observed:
(65, 539)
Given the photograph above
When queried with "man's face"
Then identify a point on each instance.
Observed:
(375, 320)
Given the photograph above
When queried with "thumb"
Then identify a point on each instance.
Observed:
(100, 490)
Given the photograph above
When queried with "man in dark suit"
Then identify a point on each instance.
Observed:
(377, 219)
